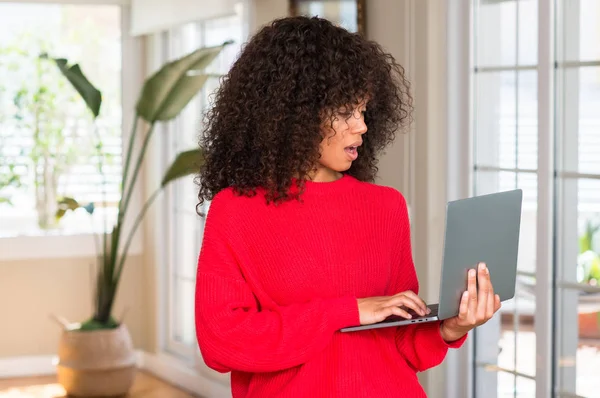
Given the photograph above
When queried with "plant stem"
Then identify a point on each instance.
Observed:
(101, 171)
(116, 232)
(136, 224)
(128, 161)
(112, 280)
(126, 193)
(137, 167)
(96, 241)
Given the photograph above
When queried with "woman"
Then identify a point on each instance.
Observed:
(298, 241)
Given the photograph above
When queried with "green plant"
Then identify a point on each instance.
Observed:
(43, 107)
(164, 95)
(9, 178)
(588, 261)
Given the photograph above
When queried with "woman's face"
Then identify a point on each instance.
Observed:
(342, 138)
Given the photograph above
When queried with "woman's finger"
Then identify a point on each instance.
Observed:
(484, 291)
(416, 299)
(491, 300)
(407, 302)
(463, 310)
(472, 289)
(413, 303)
(419, 301)
(393, 310)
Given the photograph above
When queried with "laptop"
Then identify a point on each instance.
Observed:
(479, 229)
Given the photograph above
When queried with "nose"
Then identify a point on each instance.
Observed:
(359, 126)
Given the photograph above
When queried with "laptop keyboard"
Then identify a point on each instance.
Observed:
(432, 307)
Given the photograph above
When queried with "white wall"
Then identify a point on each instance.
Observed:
(33, 290)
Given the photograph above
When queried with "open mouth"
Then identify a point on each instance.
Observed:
(352, 152)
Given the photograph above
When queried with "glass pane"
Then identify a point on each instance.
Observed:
(343, 13)
(527, 129)
(517, 343)
(495, 117)
(525, 387)
(528, 32)
(528, 233)
(496, 33)
(183, 311)
(46, 132)
(580, 138)
(588, 225)
(578, 348)
(188, 228)
(187, 124)
(220, 30)
(581, 30)
(508, 342)
(499, 142)
(493, 181)
(579, 221)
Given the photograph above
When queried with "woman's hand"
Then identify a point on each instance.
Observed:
(376, 309)
(476, 308)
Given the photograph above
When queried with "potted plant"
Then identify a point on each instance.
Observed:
(96, 357)
(588, 271)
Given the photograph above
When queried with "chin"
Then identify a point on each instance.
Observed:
(340, 167)
(343, 168)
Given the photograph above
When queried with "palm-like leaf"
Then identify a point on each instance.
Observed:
(185, 163)
(64, 205)
(90, 94)
(170, 89)
(186, 89)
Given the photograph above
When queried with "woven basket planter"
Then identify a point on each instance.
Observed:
(99, 363)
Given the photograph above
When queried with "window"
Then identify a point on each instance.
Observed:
(47, 136)
(515, 42)
(186, 227)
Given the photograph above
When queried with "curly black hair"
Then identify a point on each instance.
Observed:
(295, 74)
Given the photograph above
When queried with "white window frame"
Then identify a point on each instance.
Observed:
(460, 175)
(459, 370)
(172, 43)
(19, 248)
(165, 46)
(545, 212)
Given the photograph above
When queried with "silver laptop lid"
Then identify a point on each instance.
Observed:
(480, 229)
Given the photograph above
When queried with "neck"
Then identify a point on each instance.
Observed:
(324, 174)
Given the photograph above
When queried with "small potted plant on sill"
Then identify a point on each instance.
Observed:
(96, 357)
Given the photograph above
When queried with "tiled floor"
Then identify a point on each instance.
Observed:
(145, 386)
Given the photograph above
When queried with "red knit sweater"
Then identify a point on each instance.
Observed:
(276, 283)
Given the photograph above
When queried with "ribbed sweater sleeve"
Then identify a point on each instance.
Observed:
(235, 334)
(422, 345)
